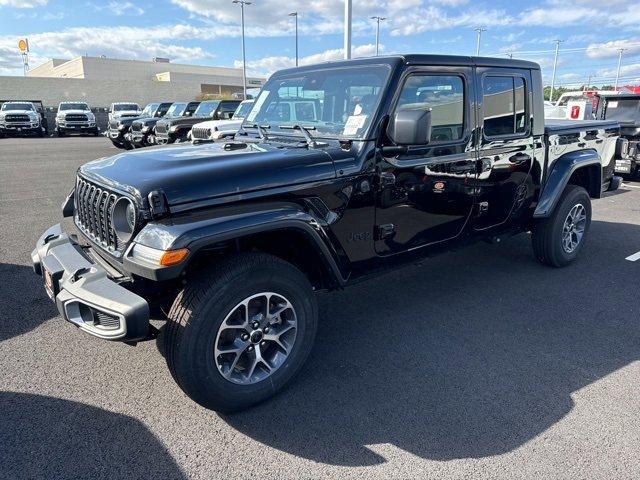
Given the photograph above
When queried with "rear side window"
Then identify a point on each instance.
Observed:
(504, 103)
(444, 95)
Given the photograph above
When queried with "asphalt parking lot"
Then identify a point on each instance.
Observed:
(479, 364)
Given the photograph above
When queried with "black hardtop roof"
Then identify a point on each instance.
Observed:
(424, 59)
(635, 96)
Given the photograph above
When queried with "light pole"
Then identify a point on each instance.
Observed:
(244, 57)
(555, 64)
(347, 29)
(480, 29)
(295, 15)
(620, 50)
(378, 20)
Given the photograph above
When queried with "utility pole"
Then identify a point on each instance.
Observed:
(588, 85)
(378, 20)
(242, 3)
(347, 29)
(480, 29)
(509, 54)
(620, 50)
(555, 64)
(295, 15)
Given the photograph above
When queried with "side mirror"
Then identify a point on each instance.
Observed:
(410, 127)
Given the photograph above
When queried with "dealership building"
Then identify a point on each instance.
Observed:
(101, 81)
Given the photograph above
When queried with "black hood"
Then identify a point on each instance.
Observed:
(147, 121)
(196, 173)
(172, 121)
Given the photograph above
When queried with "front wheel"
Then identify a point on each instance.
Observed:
(237, 334)
(557, 240)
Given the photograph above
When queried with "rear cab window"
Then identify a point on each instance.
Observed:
(504, 105)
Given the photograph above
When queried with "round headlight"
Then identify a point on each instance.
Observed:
(123, 217)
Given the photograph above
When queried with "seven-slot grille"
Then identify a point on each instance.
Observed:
(136, 126)
(161, 128)
(200, 133)
(76, 117)
(17, 117)
(93, 214)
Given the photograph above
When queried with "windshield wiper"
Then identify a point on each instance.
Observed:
(262, 130)
(311, 143)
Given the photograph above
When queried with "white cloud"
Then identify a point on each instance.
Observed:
(610, 49)
(267, 65)
(23, 3)
(122, 8)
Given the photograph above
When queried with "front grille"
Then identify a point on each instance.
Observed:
(161, 128)
(129, 115)
(136, 127)
(200, 133)
(76, 117)
(17, 117)
(93, 214)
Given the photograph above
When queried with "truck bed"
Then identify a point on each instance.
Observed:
(560, 126)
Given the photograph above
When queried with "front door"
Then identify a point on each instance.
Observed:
(505, 146)
(426, 195)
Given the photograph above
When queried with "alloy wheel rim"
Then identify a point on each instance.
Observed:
(255, 338)
(573, 228)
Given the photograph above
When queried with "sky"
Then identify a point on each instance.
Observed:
(207, 32)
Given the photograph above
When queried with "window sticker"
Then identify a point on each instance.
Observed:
(258, 105)
(354, 123)
(613, 104)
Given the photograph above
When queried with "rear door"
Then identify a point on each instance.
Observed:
(505, 145)
(426, 194)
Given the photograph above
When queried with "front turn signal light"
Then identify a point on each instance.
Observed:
(173, 257)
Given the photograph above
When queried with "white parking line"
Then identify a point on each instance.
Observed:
(634, 257)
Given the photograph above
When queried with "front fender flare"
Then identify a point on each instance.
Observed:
(559, 176)
(196, 231)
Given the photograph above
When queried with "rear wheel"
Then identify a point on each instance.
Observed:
(557, 240)
(238, 334)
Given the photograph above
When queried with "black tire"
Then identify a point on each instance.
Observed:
(547, 233)
(201, 307)
(60, 133)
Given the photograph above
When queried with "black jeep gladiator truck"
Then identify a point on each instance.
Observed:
(404, 156)
(172, 130)
(119, 126)
(141, 128)
(624, 109)
(175, 127)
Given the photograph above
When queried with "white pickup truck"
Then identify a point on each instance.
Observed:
(211, 130)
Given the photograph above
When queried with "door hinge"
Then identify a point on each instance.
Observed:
(385, 230)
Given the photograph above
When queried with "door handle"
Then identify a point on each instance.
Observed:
(519, 158)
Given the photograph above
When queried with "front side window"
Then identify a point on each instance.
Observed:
(242, 110)
(444, 96)
(176, 109)
(149, 110)
(504, 101)
(206, 109)
(335, 101)
(162, 109)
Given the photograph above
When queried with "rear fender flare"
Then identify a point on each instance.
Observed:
(559, 176)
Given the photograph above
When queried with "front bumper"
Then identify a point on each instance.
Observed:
(20, 128)
(85, 294)
(77, 127)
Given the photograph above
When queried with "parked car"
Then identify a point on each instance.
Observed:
(625, 109)
(119, 127)
(177, 109)
(211, 130)
(124, 110)
(75, 117)
(176, 129)
(22, 117)
(142, 127)
(235, 239)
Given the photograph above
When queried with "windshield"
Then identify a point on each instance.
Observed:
(176, 109)
(73, 106)
(623, 109)
(206, 109)
(150, 109)
(125, 106)
(162, 110)
(337, 102)
(17, 106)
(242, 110)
